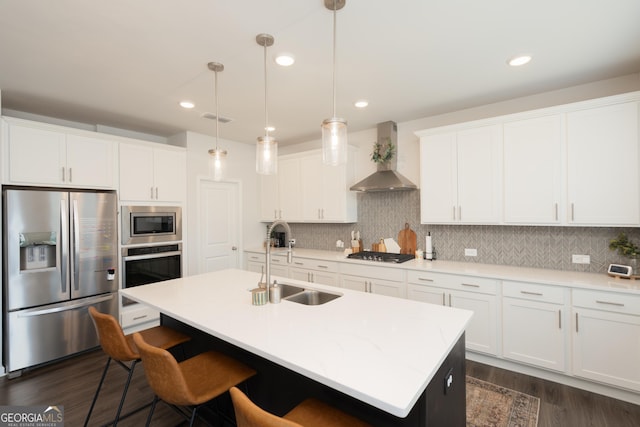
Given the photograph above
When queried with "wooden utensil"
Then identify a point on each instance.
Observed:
(407, 240)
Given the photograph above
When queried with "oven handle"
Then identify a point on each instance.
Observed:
(151, 256)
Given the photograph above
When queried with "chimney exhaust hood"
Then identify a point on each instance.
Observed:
(386, 178)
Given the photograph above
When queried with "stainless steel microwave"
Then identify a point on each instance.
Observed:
(151, 224)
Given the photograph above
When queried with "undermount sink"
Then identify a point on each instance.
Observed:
(306, 296)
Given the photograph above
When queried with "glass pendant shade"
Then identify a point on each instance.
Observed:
(334, 141)
(217, 163)
(267, 155)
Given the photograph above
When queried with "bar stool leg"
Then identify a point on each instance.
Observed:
(95, 396)
(153, 407)
(124, 393)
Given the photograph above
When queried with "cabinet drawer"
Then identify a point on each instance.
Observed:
(316, 264)
(452, 281)
(374, 272)
(255, 257)
(607, 301)
(136, 315)
(533, 292)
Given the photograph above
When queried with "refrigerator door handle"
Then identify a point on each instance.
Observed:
(63, 246)
(84, 303)
(75, 259)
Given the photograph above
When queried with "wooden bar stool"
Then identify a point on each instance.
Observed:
(310, 413)
(192, 382)
(121, 348)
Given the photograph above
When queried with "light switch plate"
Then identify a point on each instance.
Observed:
(470, 252)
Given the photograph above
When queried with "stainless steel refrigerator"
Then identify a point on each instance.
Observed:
(59, 257)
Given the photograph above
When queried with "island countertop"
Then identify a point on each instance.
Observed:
(381, 350)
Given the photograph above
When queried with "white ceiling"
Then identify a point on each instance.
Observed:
(127, 63)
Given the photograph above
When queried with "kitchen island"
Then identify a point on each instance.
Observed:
(388, 360)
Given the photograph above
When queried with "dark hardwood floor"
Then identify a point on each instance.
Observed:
(72, 382)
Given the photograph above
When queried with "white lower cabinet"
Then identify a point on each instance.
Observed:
(606, 338)
(373, 279)
(279, 266)
(535, 324)
(314, 271)
(471, 293)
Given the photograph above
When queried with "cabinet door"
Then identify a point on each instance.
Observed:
(301, 274)
(136, 172)
(312, 188)
(289, 189)
(606, 347)
(325, 278)
(479, 171)
(354, 283)
(533, 332)
(426, 294)
(256, 267)
(36, 156)
(170, 170)
(270, 205)
(603, 182)
(532, 171)
(388, 288)
(438, 179)
(90, 161)
(481, 334)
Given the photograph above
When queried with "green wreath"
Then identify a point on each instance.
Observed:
(380, 156)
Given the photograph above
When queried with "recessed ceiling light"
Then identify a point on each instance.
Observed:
(519, 60)
(361, 103)
(285, 59)
(187, 104)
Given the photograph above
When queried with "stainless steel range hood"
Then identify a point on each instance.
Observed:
(386, 178)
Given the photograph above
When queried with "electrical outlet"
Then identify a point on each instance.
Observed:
(581, 259)
(470, 252)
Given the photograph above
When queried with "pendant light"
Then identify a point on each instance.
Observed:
(217, 156)
(334, 130)
(267, 146)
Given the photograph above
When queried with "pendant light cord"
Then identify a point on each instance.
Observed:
(266, 116)
(217, 113)
(334, 56)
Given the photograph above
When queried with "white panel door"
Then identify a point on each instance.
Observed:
(218, 229)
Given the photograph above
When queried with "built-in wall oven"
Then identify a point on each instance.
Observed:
(142, 265)
(151, 224)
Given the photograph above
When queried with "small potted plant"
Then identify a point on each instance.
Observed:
(626, 248)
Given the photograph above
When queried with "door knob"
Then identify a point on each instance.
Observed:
(234, 248)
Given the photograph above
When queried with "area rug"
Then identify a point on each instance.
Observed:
(491, 405)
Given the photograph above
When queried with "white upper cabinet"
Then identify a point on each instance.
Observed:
(460, 176)
(306, 190)
(603, 161)
(533, 185)
(149, 173)
(40, 154)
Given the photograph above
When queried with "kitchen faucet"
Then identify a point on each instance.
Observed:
(268, 250)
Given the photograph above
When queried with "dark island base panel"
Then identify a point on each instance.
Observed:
(278, 389)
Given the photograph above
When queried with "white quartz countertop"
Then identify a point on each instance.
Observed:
(381, 350)
(593, 281)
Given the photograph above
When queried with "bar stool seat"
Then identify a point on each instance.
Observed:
(192, 382)
(122, 349)
(309, 413)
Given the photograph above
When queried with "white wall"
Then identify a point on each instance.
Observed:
(240, 167)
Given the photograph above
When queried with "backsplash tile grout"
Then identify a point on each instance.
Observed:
(383, 214)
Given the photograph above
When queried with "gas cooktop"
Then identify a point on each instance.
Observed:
(381, 256)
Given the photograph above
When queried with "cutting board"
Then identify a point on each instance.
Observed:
(407, 240)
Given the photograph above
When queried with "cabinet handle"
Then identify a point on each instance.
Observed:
(424, 279)
(577, 323)
(280, 214)
(617, 304)
(323, 266)
(556, 209)
(538, 294)
(63, 175)
(443, 301)
(449, 300)
(156, 193)
(70, 174)
(560, 319)
(471, 285)
(572, 212)
(151, 192)
(140, 317)
(319, 215)
(275, 260)
(298, 263)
